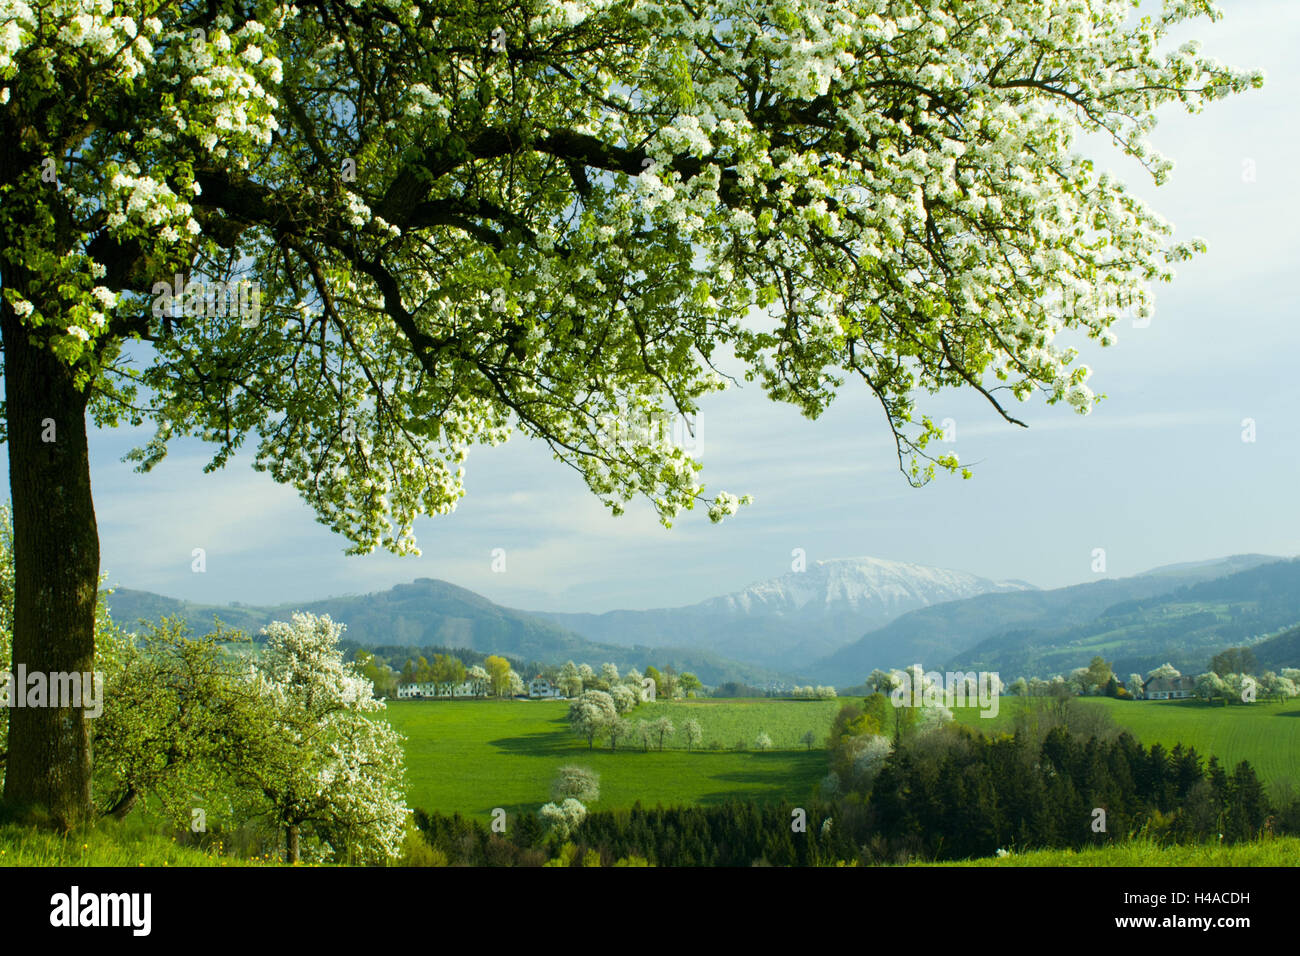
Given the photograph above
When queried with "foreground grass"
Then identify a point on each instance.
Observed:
(118, 845)
(472, 756)
(106, 844)
(1282, 851)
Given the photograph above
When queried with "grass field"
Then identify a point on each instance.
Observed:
(1283, 851)
(473, 756)
(1266, 734)
(726, 722)
(107, 844)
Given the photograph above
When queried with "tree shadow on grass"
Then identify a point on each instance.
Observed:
(542, 743)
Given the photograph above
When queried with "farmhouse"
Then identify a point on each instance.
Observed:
(471, 687)
(1164, 688)
(539, 688)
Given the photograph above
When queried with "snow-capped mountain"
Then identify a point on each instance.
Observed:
(868, 586)
(787, 621)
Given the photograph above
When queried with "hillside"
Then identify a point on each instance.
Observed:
(428, 612)
(1280, 651)
(1185, 627)
(943, 633)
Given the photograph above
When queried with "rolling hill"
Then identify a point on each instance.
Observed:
(428, 612)
(1281, 650)
(999, 623)
(1185, 627)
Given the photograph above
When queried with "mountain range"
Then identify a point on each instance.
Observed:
(1185, 627)
(838, 620)
(943, 634)
(430, 613)
(786, 622)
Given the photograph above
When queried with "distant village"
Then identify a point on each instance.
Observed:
(447, 678)
(539, 688)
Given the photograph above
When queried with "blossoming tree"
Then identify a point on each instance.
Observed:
(591, 714)
(317, 762)
(447, 221)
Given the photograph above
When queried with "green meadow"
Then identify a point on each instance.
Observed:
(725, 723)
(108, 843)
(473, 756)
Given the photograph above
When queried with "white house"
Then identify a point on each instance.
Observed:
(470, 687)
(539, 688)
(1163, 688)
(409, 691)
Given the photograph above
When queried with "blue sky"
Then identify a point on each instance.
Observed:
(1157, 474)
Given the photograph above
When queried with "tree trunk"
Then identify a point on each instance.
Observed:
(291, 844)
(56, 572)
(124, 806)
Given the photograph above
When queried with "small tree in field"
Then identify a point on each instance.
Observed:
(569, 681)
(580, 783)
(764, 741)
(693, 733)
(305, 745)
(646, 731)
(808, 739)
(620, 728)
(662, 729)
(591, 714)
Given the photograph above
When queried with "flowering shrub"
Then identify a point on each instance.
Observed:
(323, 767)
